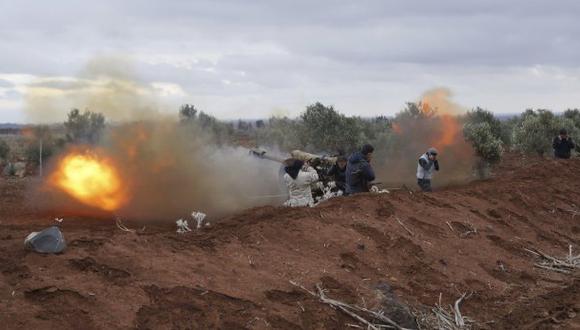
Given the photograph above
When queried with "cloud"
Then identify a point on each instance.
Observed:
(244, 59)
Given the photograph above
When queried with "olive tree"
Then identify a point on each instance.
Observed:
(536, 130)
(85, 127)
(4, 150)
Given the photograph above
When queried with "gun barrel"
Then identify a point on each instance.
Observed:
(263, 154)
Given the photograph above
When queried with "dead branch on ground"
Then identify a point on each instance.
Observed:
(352, 310)
(403, 225)
(121, 226)
(445, 318)
(566, 265)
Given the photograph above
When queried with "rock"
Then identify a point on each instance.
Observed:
(394, 308)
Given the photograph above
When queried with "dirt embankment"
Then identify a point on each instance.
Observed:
(235, 273)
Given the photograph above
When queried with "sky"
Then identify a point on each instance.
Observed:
(255, 59)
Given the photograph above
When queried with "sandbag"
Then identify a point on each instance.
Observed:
(50, 240)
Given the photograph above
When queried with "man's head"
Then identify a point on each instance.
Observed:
(563, 133)
(432, 153)
(341, 162)
(367, 152)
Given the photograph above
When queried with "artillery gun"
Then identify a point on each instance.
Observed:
(321, 164)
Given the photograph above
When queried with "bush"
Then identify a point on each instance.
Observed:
(4, 150)
(49, 143)
(85, 127)
(487, 146)
(479, 115)
(537, 129)
(33, 151)
(324, 129)
(283, 133)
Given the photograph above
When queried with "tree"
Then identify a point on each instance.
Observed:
(4, 150)
(41, 145)
(260, 124)
(85, 127)
(187, 112)
(326, 129)
(414, 111)
(488, 147)
(537, 128)
(479, 115)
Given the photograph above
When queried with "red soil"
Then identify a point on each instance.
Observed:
(235, 273)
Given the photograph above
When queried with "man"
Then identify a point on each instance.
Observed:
(338, 173)
(359, 171)
(427, 165)
(298, 178)
(563, 145)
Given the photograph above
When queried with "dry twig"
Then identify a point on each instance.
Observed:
(352, 310)
(121, 226)
(403, 225)
(566, 265)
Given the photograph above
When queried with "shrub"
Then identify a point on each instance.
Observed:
(85, 127)
(479, 115)
(4, 150)
(488, 147)
(536, 130)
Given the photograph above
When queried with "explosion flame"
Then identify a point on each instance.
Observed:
(91, 179)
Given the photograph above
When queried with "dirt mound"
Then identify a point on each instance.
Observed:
(384, 252)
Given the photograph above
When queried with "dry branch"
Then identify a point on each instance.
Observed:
(566, 265)
(352, 310)
(403, 225)
(121, 226)
(445, 318)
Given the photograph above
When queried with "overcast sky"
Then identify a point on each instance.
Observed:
(253, 59)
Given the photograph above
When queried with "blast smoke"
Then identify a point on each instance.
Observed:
(167, 168)
(108, 85)
(439, 124)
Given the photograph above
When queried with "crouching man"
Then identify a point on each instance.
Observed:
(359, 172)
(298, 178)
(427, 165)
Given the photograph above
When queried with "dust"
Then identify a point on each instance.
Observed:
(168, 169)
(438, 123)
(108, 84)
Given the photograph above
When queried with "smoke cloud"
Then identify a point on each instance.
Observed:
(167, 168)
(438, 124)
(108, 85)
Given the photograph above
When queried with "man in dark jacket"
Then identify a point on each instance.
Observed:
(338, 173)
(563, 145)
(359, 172)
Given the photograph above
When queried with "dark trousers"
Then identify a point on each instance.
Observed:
(425, 184)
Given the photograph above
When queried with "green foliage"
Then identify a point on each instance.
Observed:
(282, 133)
(85, 127)
(42, 134)
(507, 128)
(574, 115)
(536, 130)
(4, 150)
(479, 115)
(324, 128)
(321, 128)
(32, 151)
(486, 145)
(484, 132)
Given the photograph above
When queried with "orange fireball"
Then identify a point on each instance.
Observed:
(91, 179)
